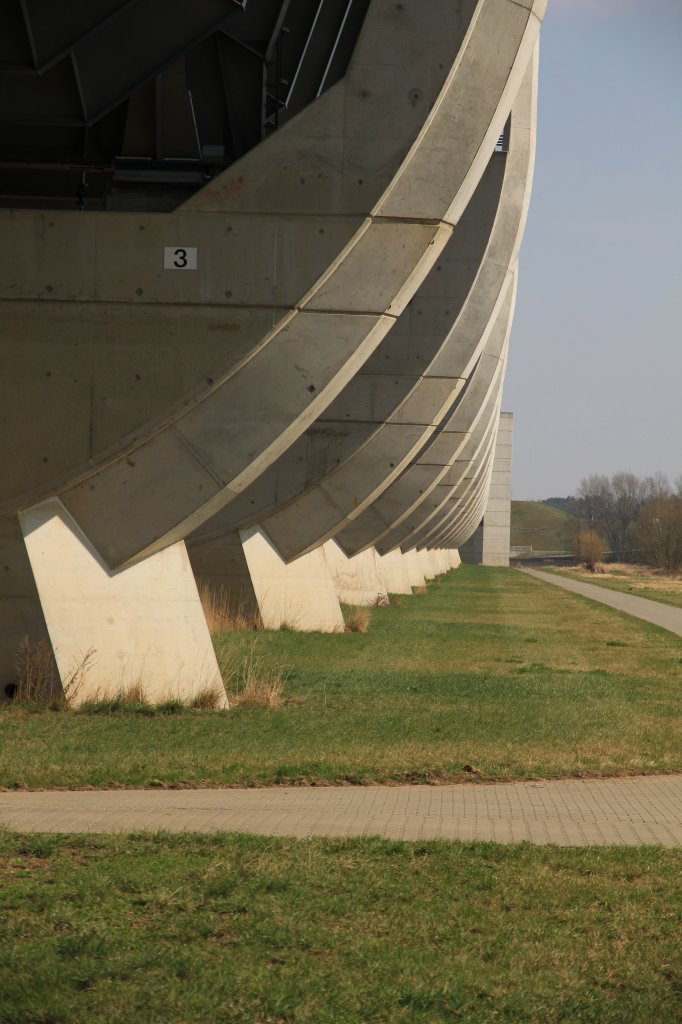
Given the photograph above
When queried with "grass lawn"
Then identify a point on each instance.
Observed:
(543, 527)
(489, 669)
(246, 930)
(639, 580)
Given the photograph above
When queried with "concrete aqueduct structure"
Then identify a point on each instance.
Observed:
(258, 276)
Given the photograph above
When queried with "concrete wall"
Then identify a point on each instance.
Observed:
(489, 545)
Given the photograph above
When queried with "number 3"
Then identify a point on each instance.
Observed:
(180, 260)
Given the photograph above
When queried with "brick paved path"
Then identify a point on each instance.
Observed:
(574, 812)
(664, 615)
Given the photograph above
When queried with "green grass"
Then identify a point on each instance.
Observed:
(246, 930)
(542, 526)
(490, 668)
(641, 583)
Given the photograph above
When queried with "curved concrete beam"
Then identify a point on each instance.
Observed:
(406, 505)
(359, 446)
(387, 411)
(187, 459)
(463, 486)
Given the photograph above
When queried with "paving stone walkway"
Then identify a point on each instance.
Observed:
(663, 615)
(575, 812)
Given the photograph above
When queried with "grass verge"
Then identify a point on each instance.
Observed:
(490, 669)
(639, 580)
(183, 929)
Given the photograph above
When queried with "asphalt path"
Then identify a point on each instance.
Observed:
(663, 615)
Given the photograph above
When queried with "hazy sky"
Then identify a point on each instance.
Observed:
(595, 370)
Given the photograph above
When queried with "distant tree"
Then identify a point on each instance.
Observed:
(596, 504)
(568, 504)
(659, 532)
(589, 548)
(612, 506)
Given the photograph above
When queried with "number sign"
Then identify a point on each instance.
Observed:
(179, 257)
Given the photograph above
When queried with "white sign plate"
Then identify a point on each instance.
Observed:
(179, 257)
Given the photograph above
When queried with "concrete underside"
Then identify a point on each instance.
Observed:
(331, 369)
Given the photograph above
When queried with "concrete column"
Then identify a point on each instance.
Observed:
(394, 569)
(427, 564)
(300, 595)
(358, 580)
(22, 623)
(490, 543)
(443, 560)
(107, 630)
(414, 568)
(220, 566)
(455, 560)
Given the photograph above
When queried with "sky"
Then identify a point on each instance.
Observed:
(595, 368)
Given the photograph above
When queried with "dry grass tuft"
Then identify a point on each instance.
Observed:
(356, 619)
(207, 699)
(253, 681)
(37, 679)
(36, 676)
(134, 693)
(421, 590)
(224, 614)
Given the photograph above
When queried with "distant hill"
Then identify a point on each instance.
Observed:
(544, 528)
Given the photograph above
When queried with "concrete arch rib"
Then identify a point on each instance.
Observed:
(296, 207)
(410, 502)
(387, 411)
(464, 474)
(184, 466)
(386, 414)
(464, 481)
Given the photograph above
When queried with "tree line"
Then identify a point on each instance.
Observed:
(633, 518)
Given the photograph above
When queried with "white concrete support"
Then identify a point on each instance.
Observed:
(358, 580)
(394, 569)
(435, 561)
(427, 564)
(444, 559)
(299, 595)
(414, 568)
(109, 630)
(490, 543)
(455, 559)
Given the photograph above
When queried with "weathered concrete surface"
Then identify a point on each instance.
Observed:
(395, 573)
(572, 812)
(358, 580)
(173, 463)
(427, 564)
(144, 437)
(417, 496)
(144, 625)
(659, 614)
(415, 571)
(224, 573)
(380, 523)
(22, 623)
(386, 414)
(299, 595)
(489, 545)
